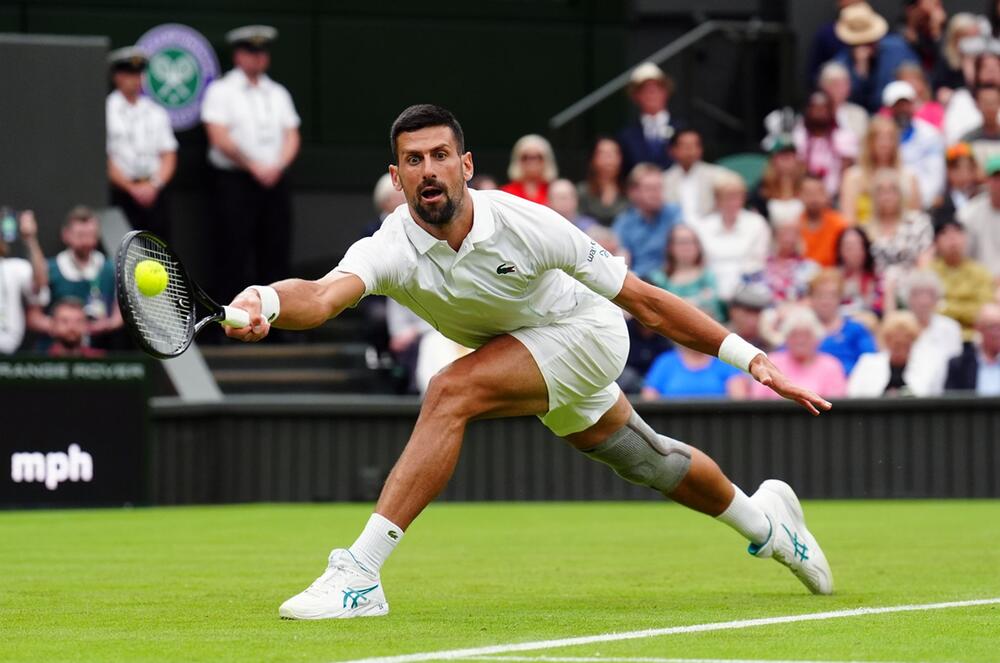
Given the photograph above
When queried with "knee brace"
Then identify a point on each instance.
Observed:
(641, 456)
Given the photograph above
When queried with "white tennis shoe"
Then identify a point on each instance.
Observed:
(346, 589)
(790, 542)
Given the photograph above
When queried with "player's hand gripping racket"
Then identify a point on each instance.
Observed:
(158, 299)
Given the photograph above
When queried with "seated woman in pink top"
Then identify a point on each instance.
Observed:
(802, 333)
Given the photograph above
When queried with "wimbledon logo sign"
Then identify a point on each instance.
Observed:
(181, 65)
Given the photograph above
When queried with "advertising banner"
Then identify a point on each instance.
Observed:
(72, 431)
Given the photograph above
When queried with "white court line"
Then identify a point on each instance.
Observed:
(600, 659)
(453, 654)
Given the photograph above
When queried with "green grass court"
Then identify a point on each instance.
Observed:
(204, 584)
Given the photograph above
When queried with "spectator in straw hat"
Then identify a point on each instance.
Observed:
(870, 54)
(647, 140)
(825, 44)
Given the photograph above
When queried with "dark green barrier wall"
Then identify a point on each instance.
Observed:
(275, 449)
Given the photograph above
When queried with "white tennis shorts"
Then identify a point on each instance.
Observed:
(580, 358)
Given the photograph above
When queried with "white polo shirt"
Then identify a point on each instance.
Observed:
(137, 135)
(521, 265)
(256, 116)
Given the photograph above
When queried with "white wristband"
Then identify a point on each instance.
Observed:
(737, 352)
(270, 304)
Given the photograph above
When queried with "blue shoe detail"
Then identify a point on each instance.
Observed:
(800, 548)
(353, 595)
(754, 548)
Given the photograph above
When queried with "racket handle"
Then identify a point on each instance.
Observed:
(235, 317)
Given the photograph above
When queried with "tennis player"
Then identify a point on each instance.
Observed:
(540, 302)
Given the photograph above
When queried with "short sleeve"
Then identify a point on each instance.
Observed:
(289, 116)
(214, 109)
(165, 139)
(566, 247)
(375, 263)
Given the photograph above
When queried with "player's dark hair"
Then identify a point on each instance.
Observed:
(421, 116)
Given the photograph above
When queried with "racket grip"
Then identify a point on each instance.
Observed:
(235, 317)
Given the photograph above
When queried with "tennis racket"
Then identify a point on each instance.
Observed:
(165, 324)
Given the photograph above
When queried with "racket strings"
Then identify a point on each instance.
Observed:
(166, 320)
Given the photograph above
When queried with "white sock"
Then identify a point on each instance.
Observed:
(377, 541)
(746, 518)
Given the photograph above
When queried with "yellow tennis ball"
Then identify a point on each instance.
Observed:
(151, 278)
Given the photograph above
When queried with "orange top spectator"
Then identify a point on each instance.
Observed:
(821, 224)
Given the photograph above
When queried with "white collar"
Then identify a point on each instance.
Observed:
(68, 267)
(482, 225)
(241, 79)
(117, 99)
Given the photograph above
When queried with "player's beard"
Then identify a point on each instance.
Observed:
(442, 213)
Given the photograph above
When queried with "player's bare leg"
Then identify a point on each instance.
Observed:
(499, 379)
(771, 520)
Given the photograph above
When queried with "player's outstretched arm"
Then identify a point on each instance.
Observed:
(302, 304)
(683, 323)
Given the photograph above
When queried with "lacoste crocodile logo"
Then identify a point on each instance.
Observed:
(504, 268)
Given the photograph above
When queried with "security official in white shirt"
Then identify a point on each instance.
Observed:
(253, 130)
(142, 150)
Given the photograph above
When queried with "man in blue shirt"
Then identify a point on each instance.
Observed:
(684, 373)
(845, 339)
(643, 228)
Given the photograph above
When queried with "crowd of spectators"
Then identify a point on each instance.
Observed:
(865, 256)
(68, 300)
